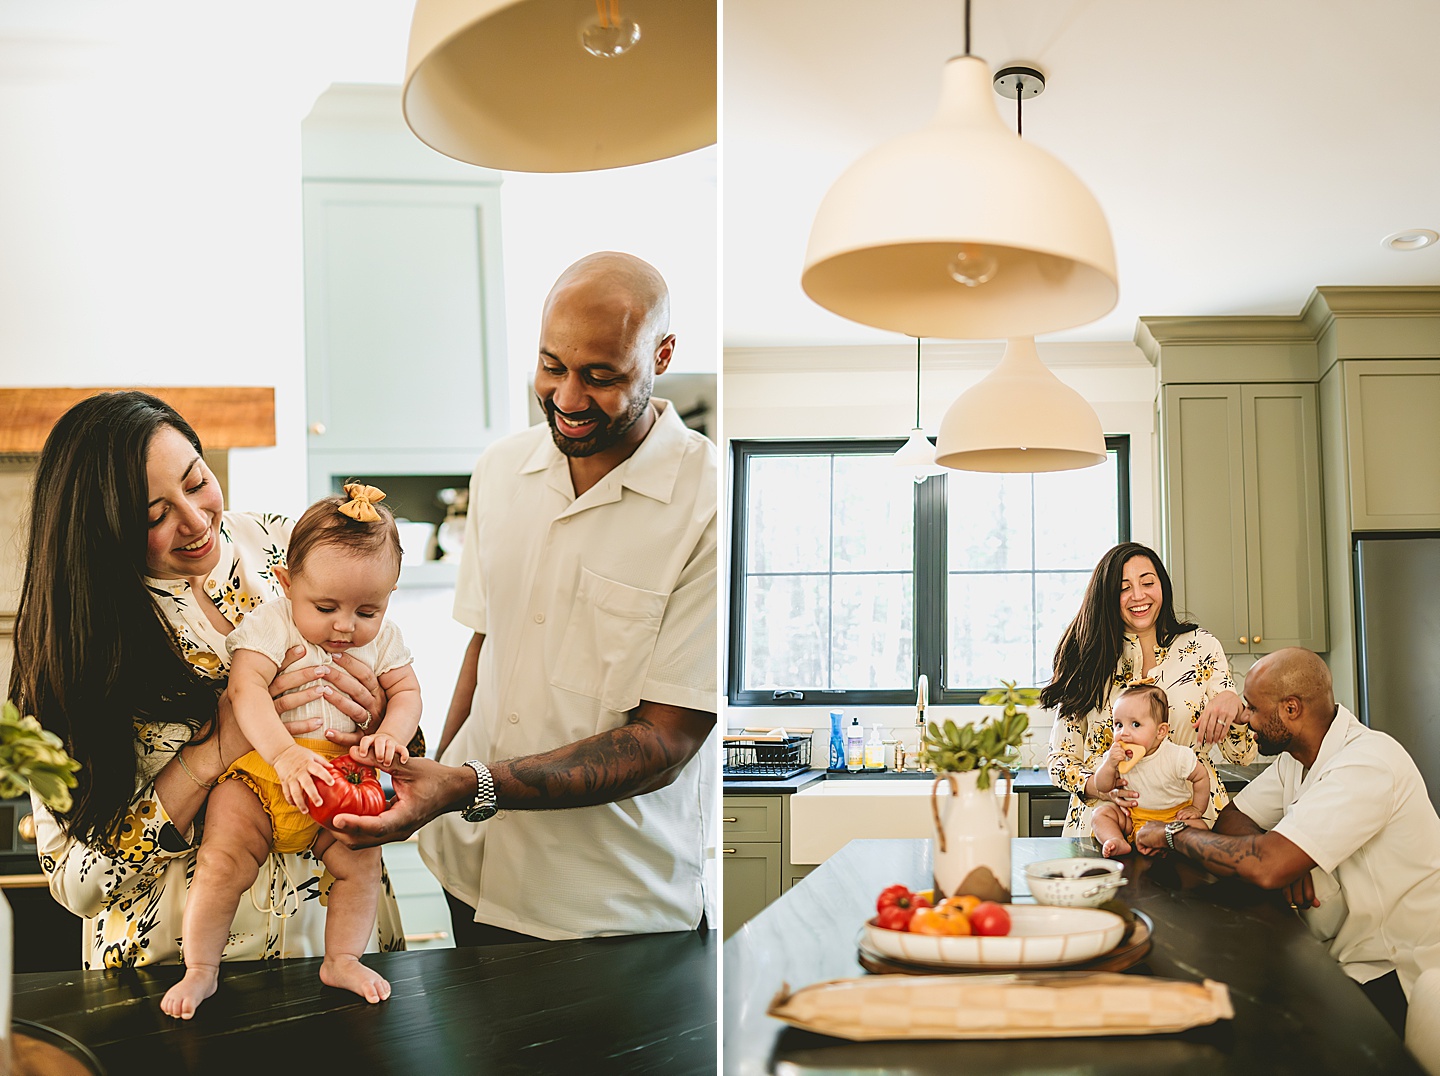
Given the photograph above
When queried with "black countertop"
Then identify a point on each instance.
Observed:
(1295, 1010)
(1028, 779)
(640, 1004)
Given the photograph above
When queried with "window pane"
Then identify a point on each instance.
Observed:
(787, 631)
(1075, 517)
(788, 502)
(872, 618)
(874, 515)
(990, 618)
(1057, 600)
(989, 521)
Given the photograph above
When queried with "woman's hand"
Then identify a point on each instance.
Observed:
(297, 769)
(349, 684)
(1121, 795)
(1215, 720)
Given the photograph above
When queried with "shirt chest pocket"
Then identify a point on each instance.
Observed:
(609, 642)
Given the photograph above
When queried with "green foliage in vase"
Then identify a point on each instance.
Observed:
(33, 759)
(993, 744)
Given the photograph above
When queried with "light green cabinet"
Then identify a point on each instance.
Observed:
(1242, 527)
(1391, 412)
(404, 328)
(755, 856)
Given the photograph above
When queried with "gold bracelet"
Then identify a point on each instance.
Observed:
(191, 774)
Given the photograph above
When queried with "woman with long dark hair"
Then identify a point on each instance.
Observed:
(1127, 632)
(135, 574)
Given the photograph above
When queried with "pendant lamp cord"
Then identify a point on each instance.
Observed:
(917, 382)
(967, 27)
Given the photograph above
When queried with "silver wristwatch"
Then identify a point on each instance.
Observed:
(1172, 828)
(483, 805)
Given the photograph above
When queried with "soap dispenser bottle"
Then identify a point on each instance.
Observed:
(837, 741)
(854, 746)
(874, 750)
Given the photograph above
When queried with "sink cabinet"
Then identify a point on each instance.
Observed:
(1242, 513)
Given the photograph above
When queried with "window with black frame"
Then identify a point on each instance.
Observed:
(848, 578)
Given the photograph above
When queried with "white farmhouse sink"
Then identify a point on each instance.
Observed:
(829, 814)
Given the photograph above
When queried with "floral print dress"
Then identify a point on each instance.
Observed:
(1192, 670)
(133, 902)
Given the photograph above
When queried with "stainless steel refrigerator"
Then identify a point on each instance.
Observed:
(1397, 628)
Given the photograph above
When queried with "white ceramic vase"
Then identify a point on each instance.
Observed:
(7, 968)
(972, 836)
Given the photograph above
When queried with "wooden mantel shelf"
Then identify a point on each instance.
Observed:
(224, 416)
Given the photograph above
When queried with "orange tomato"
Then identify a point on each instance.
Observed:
(950, 921)
(964, 902)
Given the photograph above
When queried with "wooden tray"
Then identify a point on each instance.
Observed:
(1132, 948)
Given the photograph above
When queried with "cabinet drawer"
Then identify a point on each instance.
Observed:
(1047, 815)
(751, 818)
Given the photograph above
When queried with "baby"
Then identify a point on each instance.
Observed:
(1170, 780)
(343, 564)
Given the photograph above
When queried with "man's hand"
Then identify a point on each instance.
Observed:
(1301, 893)
(1214, 722)
(424, 790)
(1150, 838)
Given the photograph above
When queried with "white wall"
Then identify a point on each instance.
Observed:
(870, 392)
(150, 204)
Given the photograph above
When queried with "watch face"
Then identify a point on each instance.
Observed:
(479, 812)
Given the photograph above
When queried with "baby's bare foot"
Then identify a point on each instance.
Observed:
(1115, 846)
(182, 999)
(347, 973)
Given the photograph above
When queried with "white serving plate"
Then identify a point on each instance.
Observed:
(1040, 936)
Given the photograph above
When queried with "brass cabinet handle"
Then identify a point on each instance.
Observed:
(730, 820)
(26, 828)
(1257, 638)
(728, 851)
(318, 429)
(1243, 640)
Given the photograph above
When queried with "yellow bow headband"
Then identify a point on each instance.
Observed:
(361, 505)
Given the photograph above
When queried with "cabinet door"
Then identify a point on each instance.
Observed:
(1205, 509)
(1284, 543)
(1390, 415)
(751, 880)
(404, 325)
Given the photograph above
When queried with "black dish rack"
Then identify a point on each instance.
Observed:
(766, 758)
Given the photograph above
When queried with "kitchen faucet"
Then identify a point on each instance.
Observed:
(922, 699)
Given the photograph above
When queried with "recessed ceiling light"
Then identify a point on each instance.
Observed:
(1413, 239)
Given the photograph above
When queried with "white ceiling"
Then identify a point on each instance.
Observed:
(1244, 151)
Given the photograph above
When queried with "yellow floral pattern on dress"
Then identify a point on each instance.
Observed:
(1192, 670)
(136, 896)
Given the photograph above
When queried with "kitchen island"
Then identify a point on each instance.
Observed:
(639, 1004)
(1295, 1010)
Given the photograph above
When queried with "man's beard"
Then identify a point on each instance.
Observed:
(607, 433)
(1281, 740)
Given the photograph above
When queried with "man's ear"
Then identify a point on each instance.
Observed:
(282, 576)
(664, 352)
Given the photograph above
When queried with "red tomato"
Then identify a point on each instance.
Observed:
(990, 918)
(895, 905)
(356, 791)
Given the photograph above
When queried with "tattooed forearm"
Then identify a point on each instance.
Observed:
(641, 756)
(1224, 855)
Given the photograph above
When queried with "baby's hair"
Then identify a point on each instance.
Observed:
(323, 524)
(1159, 703)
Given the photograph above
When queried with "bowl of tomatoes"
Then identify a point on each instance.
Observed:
(964, 931)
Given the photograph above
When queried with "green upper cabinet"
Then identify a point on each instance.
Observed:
(405, 363)
(1242, 513)
(1392, 417)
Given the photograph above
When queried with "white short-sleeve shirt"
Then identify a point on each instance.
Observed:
(1362, 814)
(588, 605)
(1163, 777)
(270, 630)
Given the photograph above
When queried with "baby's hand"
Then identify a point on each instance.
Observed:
(297, 769)
(385, 749)
(1117, 753)
(1187, 813)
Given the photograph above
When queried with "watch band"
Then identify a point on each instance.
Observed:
(1172, 828)
(483, 805)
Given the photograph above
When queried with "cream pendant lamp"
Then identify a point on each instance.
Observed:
(562, 85)
(1020, 417)
(962, 230)
(917, 455)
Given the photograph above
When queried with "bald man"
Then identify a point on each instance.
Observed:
(1341, 822)
(589, 579)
